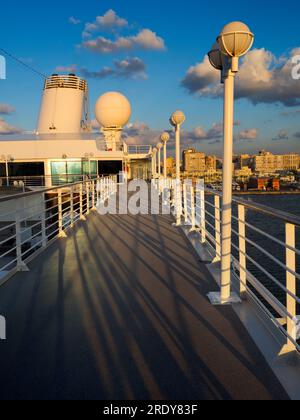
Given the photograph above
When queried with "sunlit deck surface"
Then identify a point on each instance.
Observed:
(118, 310)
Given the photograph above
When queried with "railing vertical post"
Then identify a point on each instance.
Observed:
(178, 201)
(21, 266)
(202, 213)
(185, 205)
(72, 206)
(87, 192)
(43, 222)
(81, 202)
(242, 250)
(218, 228)
(61, 232)
(291, 286)
(93, 195)
(193, 209)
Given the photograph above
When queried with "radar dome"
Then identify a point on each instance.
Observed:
(113, 110)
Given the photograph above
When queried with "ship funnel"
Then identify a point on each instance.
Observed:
(65, 106)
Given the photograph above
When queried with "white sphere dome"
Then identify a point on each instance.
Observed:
(165, 137)
(113, 110)
(177, 118)
(235, 39)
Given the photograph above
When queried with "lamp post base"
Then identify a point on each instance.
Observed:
(215, 299)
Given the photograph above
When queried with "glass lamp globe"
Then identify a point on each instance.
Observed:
(177, 118)
(215, 57)
(165, 137)
(235, 39)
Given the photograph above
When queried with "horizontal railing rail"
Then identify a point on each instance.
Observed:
(269, 277)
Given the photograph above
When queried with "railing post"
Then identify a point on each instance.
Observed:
(72, 206)
(21, 266)
(93, 195)
(242, 251)
(81, 202)
(87, 191)
(217, 228)
(291, 287)
(61, 232)
(185, 204)
(178, 202)
(43, 223)
(202, 213)
(193, 209)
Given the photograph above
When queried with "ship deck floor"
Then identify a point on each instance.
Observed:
(119, 310)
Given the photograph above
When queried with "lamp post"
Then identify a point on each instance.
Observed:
(177, 119)
(159, 147)
(235, 40)
(154, 170)
(165, 137)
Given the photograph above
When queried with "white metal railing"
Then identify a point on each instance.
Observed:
(29, 222)
(200, 208)
(42, 180)
(138, 149)
(69, 81)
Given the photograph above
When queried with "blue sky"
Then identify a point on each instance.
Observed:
(46, 39)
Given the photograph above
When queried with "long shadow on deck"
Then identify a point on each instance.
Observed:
(119, 311)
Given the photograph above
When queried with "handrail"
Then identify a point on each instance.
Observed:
(42, 191)
(268, 211)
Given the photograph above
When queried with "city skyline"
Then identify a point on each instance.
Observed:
(159, 61)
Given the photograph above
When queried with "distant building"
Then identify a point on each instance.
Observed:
(244, 161)
(267, 163)
(243, 173)
(193, 161)
(170, 166)
(264, 184)
(211, 163)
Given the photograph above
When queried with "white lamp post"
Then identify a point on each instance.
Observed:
(165, 137)
(235, 40)
(177, 119)
(159, 147)
(154, 162)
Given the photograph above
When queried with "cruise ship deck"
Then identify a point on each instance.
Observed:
(119, 310)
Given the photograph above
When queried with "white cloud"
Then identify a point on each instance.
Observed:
(6, 128)
(67, 69)
(110, 21)
(144, 40)
(215, 133)
(74, 21)
(6, 109)
(141, 133)
(129, 68)
(249, 134)
(282, 135)
(262, 78)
